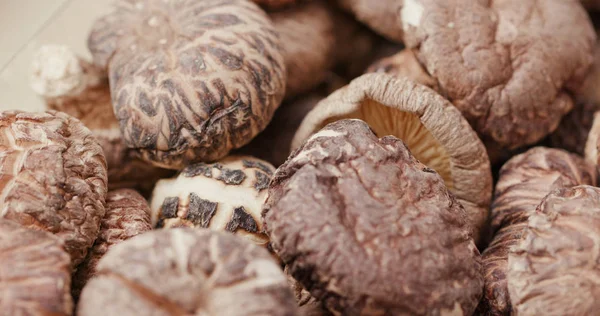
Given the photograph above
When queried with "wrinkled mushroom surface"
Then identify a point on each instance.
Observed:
(315, 37)
(509, 66)
(190, 80)
(35, 272)
(72, 85)
(433, 130)
(226, 196)
(127, 215)
(354, 216)
(524, 181)
(187, 272)
(52, 177)
(554, 268)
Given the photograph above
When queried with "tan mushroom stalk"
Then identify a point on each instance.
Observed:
(315, 37)
(70, 84)
(225, 196)
(524, 181)
(433, 129)
(509, 66)
(554, 268)
(190, 80)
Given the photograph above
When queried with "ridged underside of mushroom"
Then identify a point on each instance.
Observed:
(433, 130)
(554, 268)
(204, 78)
(524, 181)
(52, 177)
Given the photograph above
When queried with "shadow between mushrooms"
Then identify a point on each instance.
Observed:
(433, 130)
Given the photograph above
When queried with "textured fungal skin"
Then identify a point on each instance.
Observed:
(205, 77)
(187, 272)
(524, 181)
(35, 274)
(554, 269)
(52, 177)
(127, 215)
(351, 238)
(431, 127)
(226, 196)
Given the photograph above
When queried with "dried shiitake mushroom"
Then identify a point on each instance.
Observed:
(574, 128)
(428, 124)
(368, 229)
(404, 64)
(35, 272)
(226, 195)
(524, 181)
(190, 80)
(509, 66)
(72, 85)
(52, 177)
(554, 268)
(315, 37)
(187, 272)
(127, 215)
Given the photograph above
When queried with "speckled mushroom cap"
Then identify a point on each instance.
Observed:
(187, 272)
(72, 85)
(35, 272)
(127, 215)
(433, 129)
(332, 39)
(509, 66)
(205, 77)
(354, 216)
(52, 177)
(226, 195)
(554, 268)
(524, 181)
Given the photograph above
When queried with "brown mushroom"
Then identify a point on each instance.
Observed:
(190, 80)
(353, 217)
(35, 274)
(315, 37)
(404, 64)
(52, 177)
(226, 196)
(187, 272)
(554, 268)
(509, 66)
(72, 85)
(524, 181)
(127, 215)
(428, 124)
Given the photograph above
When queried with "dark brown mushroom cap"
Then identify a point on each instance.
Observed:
(127, 215)
(187, 272)
(52, 177)
(205, 77)
(554, 268)
(523, 183)
(226, 195)
(435, 132)
(354, 217)
(35, 272)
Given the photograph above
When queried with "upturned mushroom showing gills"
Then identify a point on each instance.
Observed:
(190, 80)
(434, 131)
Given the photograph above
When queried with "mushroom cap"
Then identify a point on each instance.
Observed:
(354, 216)
(592, 146)
(35, 274)
(523, 183)
(428, 124)
(226, 196)
(127, 215)
(205, 77)
(187, 272)
(53, 177)
(404, 64)
(554, 268)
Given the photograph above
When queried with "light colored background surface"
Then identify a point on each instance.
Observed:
(25, 25)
